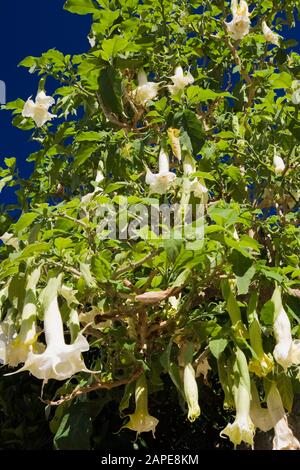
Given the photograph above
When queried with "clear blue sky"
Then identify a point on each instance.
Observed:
(31, 27)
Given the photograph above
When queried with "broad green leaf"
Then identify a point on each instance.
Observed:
(80, 7)
(217, 346)
(110, 90)
(25, 221)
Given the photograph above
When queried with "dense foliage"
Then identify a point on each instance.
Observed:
(212, 93)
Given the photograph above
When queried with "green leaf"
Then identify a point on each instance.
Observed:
(80, 7)
(285, 388)
(171, 367)
(243, 282)
(4, 181)
(25, 221)
(196, 94)
(217, 346)
(110, 89)
(272, 273)
(84, 152)
(267, 313)
(87, 275)
(111, 47)
(182, 278)
(76, 426)
(281, 80)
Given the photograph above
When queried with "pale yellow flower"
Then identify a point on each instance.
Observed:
(59, 360)
(146, 91)
(284, 438)
(239, 26)
(287, 350)
(191, 392)
(296, 92)
(140, 421)
(242, 429)
(180, 81)
(160, 182)
(279, 165)
(269, 35)
(38, 110)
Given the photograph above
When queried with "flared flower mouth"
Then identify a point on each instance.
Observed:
(241, 430)
(160, 182)
(240, 24)
(180, 81)
(145, 91)
(262, 366)
(284, 438)
(141, 421)
(59, 360)
(57, 363)
(269, 35)
(38, 110)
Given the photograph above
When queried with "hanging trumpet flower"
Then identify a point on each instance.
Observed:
(284, 438)
(239, 26)
(140, 421)
(271, 37)
(279, 165)
(59, 360)
(296, 92)
(26, 340)
(260, 416)
(191, 392)
(180, 81)
(262, 364)
(38, 110)
(159, 183)
(242, 429)
(287, 350)
(146, 91)
(195, 186)
(225, 376)
(232, 306)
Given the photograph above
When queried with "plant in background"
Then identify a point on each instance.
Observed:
(111, 311)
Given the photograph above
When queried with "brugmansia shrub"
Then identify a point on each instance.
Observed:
(177, 104)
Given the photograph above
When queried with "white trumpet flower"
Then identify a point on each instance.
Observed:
(140, 421)
(180, 81)
(242, 429)
(260, 416)
(26, 339)
(191, 392)
(287, 350)
(59, 360)
(239, 26)
(279, 165)
(284, 438)
(271, 37)
(296, 92)
(38, 110)
(195, 186)
(145, 91)
(160, 182)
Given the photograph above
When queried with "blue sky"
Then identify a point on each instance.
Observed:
(31, 27)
